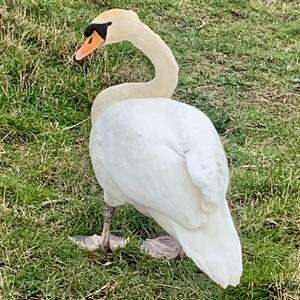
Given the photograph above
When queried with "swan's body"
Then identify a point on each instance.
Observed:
(166, 159)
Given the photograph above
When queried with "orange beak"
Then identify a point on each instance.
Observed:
(90, 44)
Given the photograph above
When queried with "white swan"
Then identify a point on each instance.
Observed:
(162, 156)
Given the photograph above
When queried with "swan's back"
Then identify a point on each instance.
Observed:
(165, 158)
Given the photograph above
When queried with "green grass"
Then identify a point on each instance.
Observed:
(239, 63)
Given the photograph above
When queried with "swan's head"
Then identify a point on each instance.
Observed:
(110, 27)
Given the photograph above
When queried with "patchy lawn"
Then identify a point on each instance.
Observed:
(239, 63)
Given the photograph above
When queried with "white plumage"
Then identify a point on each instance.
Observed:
(166, 159)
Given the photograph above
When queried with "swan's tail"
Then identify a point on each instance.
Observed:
(214, 247)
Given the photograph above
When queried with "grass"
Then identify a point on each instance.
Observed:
(239, 63)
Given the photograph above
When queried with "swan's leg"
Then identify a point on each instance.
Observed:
(105, 241)
(162, 246)
(108, 213)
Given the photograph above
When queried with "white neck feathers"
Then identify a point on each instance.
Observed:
(163, 84)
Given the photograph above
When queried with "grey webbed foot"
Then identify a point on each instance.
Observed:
(95, 242)
(162, 246)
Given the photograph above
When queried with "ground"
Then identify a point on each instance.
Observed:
(239, 63)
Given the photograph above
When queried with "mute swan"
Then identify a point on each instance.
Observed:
(161, 156)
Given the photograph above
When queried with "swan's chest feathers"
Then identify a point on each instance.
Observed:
(157, 122)
(137, 148)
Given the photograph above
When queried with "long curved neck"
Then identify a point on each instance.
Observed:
(163, 84)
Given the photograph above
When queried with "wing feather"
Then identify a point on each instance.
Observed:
(207, 166)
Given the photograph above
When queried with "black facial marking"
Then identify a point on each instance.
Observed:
(101, 29)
